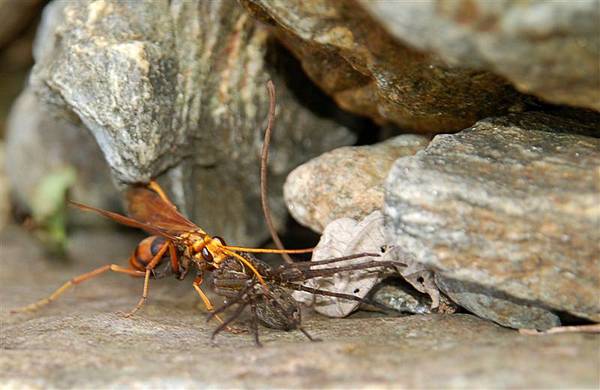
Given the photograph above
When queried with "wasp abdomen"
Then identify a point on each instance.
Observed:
(145, 252)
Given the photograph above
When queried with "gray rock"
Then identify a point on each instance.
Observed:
(38, 144)
(4, 192)
(498, 307)
(178, 89)
(546, 48)
(398, 295)
(80, 342)
(345, 182)
(352, 58)
(510, 205)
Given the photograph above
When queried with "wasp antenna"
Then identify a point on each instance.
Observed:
(264, 161)
(264, 250)
(249, 265)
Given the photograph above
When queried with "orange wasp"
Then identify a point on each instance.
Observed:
(175, 244)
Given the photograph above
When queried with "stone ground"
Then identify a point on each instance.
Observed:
(80, 341)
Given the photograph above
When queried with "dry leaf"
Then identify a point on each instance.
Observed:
(343, 237)
(346, 236)
(416, 274)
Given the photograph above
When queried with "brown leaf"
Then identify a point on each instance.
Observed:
(343, 237)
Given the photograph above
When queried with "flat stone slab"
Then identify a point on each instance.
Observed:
(80, 341)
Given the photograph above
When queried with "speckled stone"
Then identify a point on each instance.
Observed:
(509, 205)
(546, 48)
(346, 182)
(357, 62)
(4, 191)
(39, 144)
(177, 90)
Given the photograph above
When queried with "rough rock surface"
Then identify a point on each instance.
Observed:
(346, 182)
(498, 307)
(180, 87)
(510, 205)
(546, 48)
(398, 294)
(80, 342)
(38, 144)
(4, 193)
(368, 72)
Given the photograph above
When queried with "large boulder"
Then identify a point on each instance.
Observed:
(509, 208)
(346, 182)
(351, 57)
(177, 90)
(546, 48)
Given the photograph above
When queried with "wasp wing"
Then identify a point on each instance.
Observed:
(126, 220)
(147, 206)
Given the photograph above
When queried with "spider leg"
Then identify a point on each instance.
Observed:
(313, 273)
(230, 302)
(308, 264)
(229, 320)
(254, 324)
(318, 291)
(350, 297)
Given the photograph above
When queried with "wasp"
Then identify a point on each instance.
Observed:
(175, 245)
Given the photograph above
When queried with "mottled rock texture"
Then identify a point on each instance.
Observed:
(366, 71)
(4, 193)
(498, 307)
(178, 88)
(546, 48)
(79, 341)
(398, 294)
(345, 182)
(38, 144)
(510, 205)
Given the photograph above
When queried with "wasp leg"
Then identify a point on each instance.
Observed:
(254, 325)
(175, 261)
(209, 306)
(350, 297)
(153, 262)
(154, 186)
(77, 280)
(233, 317)
(230, 302)
(197, 282)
